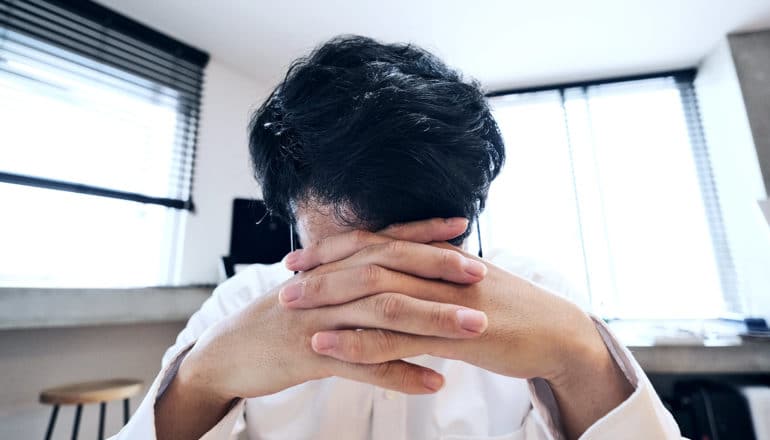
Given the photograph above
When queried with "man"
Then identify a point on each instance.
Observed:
(397, 333)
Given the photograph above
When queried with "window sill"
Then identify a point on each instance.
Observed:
(29, 308)
(26, 308)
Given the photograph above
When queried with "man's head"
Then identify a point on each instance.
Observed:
(365, 135)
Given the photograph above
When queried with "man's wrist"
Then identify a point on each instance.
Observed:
(198, 377)
(188, 408)
(588, 383)
(584, 347)
(576, 345)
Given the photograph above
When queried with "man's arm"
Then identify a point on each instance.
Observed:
(641, 416)
(591, 383)
(188, 399)
(226, 299)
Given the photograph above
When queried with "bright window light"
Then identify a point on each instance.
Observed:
(603, 184)
(62, 239)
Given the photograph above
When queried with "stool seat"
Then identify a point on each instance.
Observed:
(91, 392)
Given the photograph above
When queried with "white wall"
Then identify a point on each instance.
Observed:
(222, 171)
(752, 64)
(737, 175)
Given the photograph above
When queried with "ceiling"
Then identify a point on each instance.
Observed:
(502, 43)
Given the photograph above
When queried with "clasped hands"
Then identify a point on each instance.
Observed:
(364, 301)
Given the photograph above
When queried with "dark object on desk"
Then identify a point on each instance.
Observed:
(255, 237)
(706, 410)
(756, 325)
(756, 330)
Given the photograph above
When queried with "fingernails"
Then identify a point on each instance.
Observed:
(457, 221)
(323, 341)
(290, 293)
(293, 258)
(475, 268)
(472, 320)
(432, 381)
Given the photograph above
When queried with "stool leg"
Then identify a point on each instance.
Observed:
(125, 411)
(102, 408)
(51, 422)
(76, 425)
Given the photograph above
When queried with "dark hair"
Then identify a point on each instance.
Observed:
(384, 133)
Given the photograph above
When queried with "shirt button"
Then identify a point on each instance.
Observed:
(390, 395)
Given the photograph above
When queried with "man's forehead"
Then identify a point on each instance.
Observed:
(316, 221)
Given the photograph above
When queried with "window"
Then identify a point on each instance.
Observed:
(99, 117)
(610, 183)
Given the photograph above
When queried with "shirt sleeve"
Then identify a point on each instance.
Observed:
(641, 416)
(229, 297)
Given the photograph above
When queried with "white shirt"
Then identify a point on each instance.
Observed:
(474, 404)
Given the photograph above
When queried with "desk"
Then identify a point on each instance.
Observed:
(746, 358)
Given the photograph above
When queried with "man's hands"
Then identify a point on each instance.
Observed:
(267, 347)
(530, 333)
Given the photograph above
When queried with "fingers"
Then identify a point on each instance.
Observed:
(394, 311)
(426, 231)
(341, 246)
(350, 284)
(422, 260)
(376, 346)
(395, 375)
(415, 259)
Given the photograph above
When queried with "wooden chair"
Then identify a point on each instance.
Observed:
(80, 394)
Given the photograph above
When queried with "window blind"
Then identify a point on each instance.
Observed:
(96, 103)
(725, 264)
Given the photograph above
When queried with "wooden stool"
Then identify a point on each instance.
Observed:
(79, 394)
